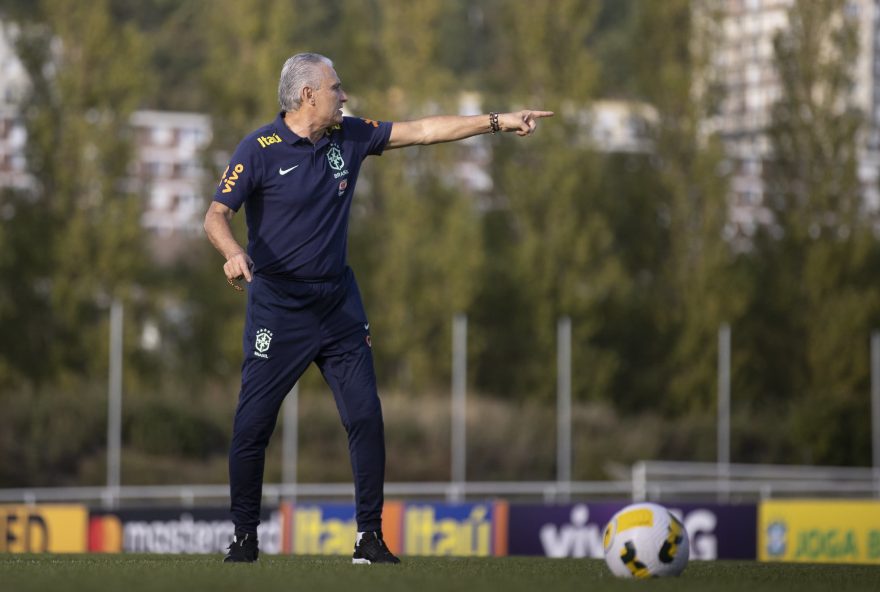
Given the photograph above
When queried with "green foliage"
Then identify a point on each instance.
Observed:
(691, 276)
(88, 226)
(551, 251)
(416, 237)
(545, 50)
(630, 246)
(50, 432)
(245, 51)
(163, 428)
(420, 243)
(22, 302)
(821, 248)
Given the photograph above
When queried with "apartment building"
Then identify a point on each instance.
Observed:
(744, 66)
(169, 171)
(13, 87)
(169, 146)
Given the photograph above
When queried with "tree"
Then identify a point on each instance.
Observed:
(549, 249)
(78, 153)
(175, 33)
(822, 256)
(75, 237)
(415, 231)
(695, 284)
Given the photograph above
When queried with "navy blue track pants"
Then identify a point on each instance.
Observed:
(289, 325)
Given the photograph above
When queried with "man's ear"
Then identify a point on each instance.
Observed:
(308, 95)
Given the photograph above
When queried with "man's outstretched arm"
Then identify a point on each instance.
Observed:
(449, 128)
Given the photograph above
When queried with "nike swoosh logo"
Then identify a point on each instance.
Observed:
(366, 326)
(285, 171)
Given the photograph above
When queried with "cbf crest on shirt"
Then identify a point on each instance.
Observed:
(297, 195)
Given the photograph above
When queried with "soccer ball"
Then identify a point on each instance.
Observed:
(645, 541)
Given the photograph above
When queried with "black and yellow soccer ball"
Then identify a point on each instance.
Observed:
(645, 541)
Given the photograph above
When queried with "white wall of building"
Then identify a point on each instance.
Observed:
(744, 64)
(13, 136)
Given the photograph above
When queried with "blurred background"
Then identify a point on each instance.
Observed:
(711, 165)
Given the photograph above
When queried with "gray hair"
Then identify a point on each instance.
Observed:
(298, 72)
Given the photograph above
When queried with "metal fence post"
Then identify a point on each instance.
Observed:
(639, 481)
(563, 406)
(724, 412)
(114, 404)
(459, 406)
(289, 450)
(875, 409)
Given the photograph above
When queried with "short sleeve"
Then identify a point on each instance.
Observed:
(373, 134)
(241, 176)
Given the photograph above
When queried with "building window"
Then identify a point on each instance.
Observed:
(161, 136)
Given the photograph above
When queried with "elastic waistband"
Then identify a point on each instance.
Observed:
(305, 280)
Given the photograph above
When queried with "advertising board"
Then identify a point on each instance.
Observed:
(461, 530)
(408, 528)
(43, 528)
(575, 530)
(819, 531)
(176, 530)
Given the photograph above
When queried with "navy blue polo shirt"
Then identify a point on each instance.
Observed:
(297, 195)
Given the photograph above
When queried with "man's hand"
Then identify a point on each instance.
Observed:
(238, 267)
(522, 122)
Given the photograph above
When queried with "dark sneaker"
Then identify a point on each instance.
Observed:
(244, 549)
(372, 549)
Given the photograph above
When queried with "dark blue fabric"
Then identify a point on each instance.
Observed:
(290, 324)
(297, 195)
(303, 304)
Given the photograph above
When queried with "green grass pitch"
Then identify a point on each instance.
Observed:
(192, 573)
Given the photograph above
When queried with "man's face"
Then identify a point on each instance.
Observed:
(330, 97)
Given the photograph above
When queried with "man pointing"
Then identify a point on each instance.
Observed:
(296, 178)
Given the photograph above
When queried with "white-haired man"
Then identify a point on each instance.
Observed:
(296, 178)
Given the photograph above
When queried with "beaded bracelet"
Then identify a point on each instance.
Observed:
(493, 122)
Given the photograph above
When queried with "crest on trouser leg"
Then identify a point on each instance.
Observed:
(262, 342)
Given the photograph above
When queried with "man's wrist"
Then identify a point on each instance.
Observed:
(493, 122)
